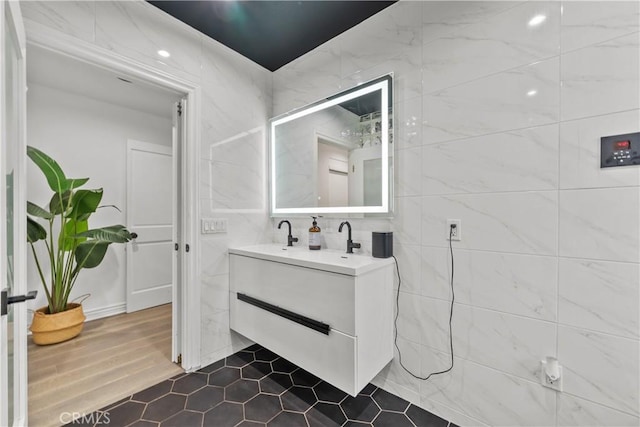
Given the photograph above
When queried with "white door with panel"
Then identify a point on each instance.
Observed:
(13, 318)
(150, 213)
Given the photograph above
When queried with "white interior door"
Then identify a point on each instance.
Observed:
(150, 216)
(13, 318)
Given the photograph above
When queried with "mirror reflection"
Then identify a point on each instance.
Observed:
(334, 156)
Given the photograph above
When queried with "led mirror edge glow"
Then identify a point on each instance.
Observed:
(383, 86)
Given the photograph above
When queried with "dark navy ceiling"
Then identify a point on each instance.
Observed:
(272, 33)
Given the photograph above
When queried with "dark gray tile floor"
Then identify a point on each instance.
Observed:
(255, 387)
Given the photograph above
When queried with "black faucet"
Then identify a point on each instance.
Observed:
(290, 238)
(350, 244)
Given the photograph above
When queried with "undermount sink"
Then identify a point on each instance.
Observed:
(335, 261)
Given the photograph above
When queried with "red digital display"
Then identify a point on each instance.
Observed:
(621, 145)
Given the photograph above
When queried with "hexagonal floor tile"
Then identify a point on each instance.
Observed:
(224, 376)
(241, 391)
(124, 414)
(253, 348)
(368, 390)
(392, 419)
(420, 417)
(226, 414)
(246, 423)
(256, 370)
(304, 378)
(328, 393)
(325, 415)
(287, 419)
(213, 367)
(266, 355)
(182, 419)
(284, 366)
(239, 359)
(388, 401)
(144, 423)
(298, 399)
(276, 383)
(165, 407)
(205, 398)
(262, 408)
(153, 392)
(360, 408)
(190, 383)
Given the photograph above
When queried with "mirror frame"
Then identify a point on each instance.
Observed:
(385, 85)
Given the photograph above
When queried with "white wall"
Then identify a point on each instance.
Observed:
(549, 260)
(236, 104)
(88, 138)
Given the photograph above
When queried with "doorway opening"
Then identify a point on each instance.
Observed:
(96, 122)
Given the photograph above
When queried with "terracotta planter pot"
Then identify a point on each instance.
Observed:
(54, 328)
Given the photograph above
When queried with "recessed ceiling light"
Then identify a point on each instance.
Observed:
(537, 20)
(164, 53)
(532, 92)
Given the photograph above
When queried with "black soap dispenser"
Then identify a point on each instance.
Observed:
(314, 236)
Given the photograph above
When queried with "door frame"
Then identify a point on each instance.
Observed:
(190, 317)
(19, 206)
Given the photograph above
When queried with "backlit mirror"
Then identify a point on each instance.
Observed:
(335, 156)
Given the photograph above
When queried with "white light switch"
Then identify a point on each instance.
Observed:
(213, 225)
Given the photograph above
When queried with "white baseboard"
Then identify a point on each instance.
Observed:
(100, 312)
(110, 310)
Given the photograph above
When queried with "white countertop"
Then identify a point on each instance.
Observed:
(325, 259)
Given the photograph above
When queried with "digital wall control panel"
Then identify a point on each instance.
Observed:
(620, 150)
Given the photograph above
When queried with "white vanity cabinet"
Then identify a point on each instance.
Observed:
(328, 312)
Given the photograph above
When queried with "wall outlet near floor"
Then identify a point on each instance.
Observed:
(551, 376)
(213, 225)
(456, 233)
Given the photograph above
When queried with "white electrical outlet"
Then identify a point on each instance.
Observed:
(456, 233)
(546, 380)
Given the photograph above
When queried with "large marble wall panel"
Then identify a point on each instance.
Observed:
(601, 79)
(439, 18)
(585, 23)
(407, 221)
(397, 30)
(409, 261)
(489, 395)
(496, 44)
(517, 160)
(590, 225)
(580, 151)
(523, 285)
(514, 99)
(75, 18)
(408, 166)
(318, 72)
(600, 295)
(573, 411)
(138, 30)
(501, 222)
(600, 367)
(511, 344)
(407, 125)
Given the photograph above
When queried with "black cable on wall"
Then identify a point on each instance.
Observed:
(450, 316)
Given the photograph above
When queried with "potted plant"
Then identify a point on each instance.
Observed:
(70, 247)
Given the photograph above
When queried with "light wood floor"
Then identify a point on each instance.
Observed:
(112, 358)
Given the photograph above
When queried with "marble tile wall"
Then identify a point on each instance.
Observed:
(498, 124)
(236, 105)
